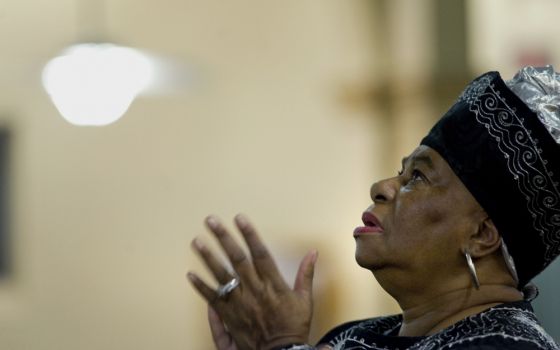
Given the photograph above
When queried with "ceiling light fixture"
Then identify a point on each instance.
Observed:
(94, 82)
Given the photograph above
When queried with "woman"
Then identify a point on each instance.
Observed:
(455, 237)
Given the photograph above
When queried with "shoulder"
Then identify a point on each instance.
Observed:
(507, 326)
(379, 325)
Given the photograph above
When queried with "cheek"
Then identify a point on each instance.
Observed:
(422, 223)
(420, 213)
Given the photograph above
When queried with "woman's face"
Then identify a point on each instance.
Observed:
(426, 216)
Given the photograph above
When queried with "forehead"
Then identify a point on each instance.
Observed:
(432, 160)
(424, 154)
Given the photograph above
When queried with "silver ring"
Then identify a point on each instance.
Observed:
(225, 289)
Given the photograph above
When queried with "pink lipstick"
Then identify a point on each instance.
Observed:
(371, 225)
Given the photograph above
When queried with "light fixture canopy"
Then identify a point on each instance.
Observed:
(95, 83)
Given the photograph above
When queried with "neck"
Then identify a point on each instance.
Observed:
(429, 316)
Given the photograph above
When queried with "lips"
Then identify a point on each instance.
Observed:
(371, 225)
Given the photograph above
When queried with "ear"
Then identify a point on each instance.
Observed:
(486, 240)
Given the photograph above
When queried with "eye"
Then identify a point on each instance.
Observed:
(416, 175)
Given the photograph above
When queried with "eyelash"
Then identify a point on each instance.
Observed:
(415, 174)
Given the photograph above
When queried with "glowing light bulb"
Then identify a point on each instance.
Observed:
(94, 84)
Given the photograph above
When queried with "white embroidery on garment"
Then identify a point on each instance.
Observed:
(347, 340)
(523, 158)
(507, 323)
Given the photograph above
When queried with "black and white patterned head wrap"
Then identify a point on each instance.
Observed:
(502, 140)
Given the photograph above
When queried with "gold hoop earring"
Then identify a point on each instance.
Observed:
(472, 269)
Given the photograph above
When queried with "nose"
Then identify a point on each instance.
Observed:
(384, 191)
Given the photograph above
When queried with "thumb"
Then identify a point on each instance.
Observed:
(304, 277)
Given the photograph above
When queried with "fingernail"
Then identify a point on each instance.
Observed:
(241, 220)
(315, 255)
(197, 243)
(212, 221)
(191, 276)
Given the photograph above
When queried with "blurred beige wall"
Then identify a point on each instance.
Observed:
(505, 35)
(103, 217)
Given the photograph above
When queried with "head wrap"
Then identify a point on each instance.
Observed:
(503, 144)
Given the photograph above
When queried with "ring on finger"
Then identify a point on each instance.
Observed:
(225, 289)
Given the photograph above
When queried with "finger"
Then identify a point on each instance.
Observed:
(236, 255)
(222, 339)
(304, 278)
(213, 263)
(209, 294)
(262, 260)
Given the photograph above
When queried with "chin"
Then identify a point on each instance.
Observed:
(367, 261)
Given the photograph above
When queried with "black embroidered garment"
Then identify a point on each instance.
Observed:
(506, 326)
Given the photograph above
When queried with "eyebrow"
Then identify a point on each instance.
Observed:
(419, 159)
